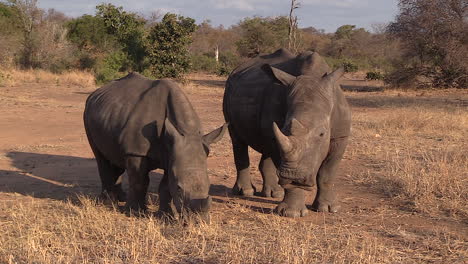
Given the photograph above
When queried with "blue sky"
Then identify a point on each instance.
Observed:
(321, 14)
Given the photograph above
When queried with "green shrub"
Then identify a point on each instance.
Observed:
(350, 66)
(404, 77)
(203, 63)
(374, 75)
(111, 67)
(347, 64)
(86, 61)
(228, 61)
(168, 46)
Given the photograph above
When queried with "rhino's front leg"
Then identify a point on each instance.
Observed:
(293, 204)
(165, 197)
(138, 179)
(271, 188)
(243, 185)
(325, 199)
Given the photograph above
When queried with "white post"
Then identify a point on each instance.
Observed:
(217, 54)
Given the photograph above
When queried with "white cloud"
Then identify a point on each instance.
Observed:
(243, 5)
(336, 3)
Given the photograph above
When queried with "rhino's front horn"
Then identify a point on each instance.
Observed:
(284, 142)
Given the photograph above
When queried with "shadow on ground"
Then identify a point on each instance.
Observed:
(263, 210)
(83, 93)
(361, 88)
(224, 191)
(210, 83)
(374, 101)
(55, 177)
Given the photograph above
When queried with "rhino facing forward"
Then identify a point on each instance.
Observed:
(138, 125)
(299, 95)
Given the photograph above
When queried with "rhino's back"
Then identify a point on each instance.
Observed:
(252, 101)
(126, 117)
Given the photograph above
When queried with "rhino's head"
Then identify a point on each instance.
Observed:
(186, 168)
(304, 139)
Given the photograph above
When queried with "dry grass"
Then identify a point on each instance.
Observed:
(35, 231)
(12, 77)
(415, 151)
(408, 147)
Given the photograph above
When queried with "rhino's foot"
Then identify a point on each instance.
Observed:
(272, 190)
(287, 210)
(112, 196)
(243, 190)
(135, 207)
(325, 207)
(293, 204)
(325, 201)
(165, 215)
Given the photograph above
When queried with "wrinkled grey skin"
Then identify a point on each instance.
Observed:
(300, 96)
(138, 125)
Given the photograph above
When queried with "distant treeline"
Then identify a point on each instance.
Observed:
(426, 45)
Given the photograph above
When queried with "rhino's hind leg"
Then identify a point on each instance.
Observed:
(138, 179)
(111, 179)
(243, 185)
(271, 188)
(293, 204)
(325, 199)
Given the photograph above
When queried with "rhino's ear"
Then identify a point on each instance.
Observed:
(283, 77)
(215, 135)
(171, 131)
(335, 75)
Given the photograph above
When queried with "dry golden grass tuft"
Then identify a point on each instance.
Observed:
(12, 77)
(35, 231)
(415, 149)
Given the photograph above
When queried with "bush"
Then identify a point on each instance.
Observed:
(374, 75)
(228, 62)
(433, 34)
(347, 64)
(203, 63)
(350, 66)
(111, 67)
(407, 77)
(168, 46)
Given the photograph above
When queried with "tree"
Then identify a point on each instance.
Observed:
(292, 29)
(434, 34)
(29, 17)
(53, 51)
(10, 34)
(43, 41)
(129, 30)
(89, 33)
(206, 40)
(262, 35)
(168, 43)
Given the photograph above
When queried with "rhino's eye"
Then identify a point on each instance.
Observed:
(321, 134)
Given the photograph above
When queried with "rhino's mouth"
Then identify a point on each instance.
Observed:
(292, 174)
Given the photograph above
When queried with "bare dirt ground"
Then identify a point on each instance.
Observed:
(389, 213)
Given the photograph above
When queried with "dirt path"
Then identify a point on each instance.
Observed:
(44, 154)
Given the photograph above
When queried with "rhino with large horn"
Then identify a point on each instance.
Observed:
(291, 110)
(138, 125)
